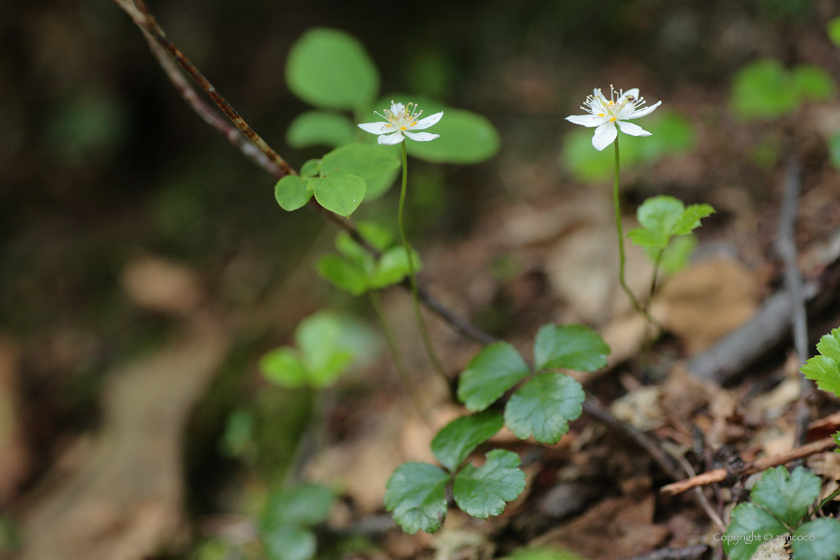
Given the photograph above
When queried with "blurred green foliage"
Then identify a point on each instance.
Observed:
(833, 30)
(766, 90)
(671, 133)
(289, 514)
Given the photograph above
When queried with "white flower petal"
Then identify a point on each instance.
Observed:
(377, 127)
(397, 107)
(427, 122)
(644, 111)
(421, 136)
(587, 120)
(389, 139)
(604, 136)
(632, 129)
(634, 93)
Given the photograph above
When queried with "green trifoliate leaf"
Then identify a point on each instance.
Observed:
(354, 252)
(363, 160)
(750, 527)
(787, 495)
(312, 168)
(315, 128)
(392, 267)
(825, 369)
(494, 370)
(483, 491)
(340, 192)
(291, 193)
(570, 347)
(330, 68)
(343, 274)
(376, 235)
(544, 406)
(283, 367)
(416, 495)
(454, 443)
(289, 542)
(663, 217)
(817, 540)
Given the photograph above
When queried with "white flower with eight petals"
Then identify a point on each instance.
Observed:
(402, 120)
(607, 113)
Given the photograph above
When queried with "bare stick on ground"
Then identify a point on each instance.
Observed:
(719, 475)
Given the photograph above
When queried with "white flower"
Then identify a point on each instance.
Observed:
(606, 113)
(402, 119)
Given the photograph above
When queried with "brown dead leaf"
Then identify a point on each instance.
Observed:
(614, 528)
(162, 286)
(707, 301)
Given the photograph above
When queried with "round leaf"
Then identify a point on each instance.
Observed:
(416, 495)
(330, 68)
(483, 491)
(283, 367)
(763, 90)
(750, 524)
(817, 540)
(574, 347)
(454, 443)
(544, 407)
(465, 138)
(291, 193)
(312, 168)
(812, 83)
(787, 495)
(392, 267)
(340, 192)
(343, 274)
(494, 370)
(363, 160)
(315, 128)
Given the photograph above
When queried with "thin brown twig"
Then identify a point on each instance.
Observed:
(719, 475)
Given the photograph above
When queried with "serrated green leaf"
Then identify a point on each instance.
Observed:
(833, 30)
(392, 267)
(340, 192)
(574, 347)
(454, 443)
(312, 168)
(291, 193)
(748, 530)
(690, 218)
(289, 542)
(659, 215)
(307, 504)
(317, 128)
(343, 274)
(544, 406)
(415, 493)
(483, 491)
(825, 369)
(817, 540)
(787, 495)
(495, 369)
(363, 160)
(330, 68)
(283, 367)
(813, 83)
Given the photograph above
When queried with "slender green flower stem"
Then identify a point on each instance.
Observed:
(427, 341)
(828, 499)
(399, 362)
(622, 257)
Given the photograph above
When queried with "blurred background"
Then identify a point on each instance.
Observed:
(145, 266)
